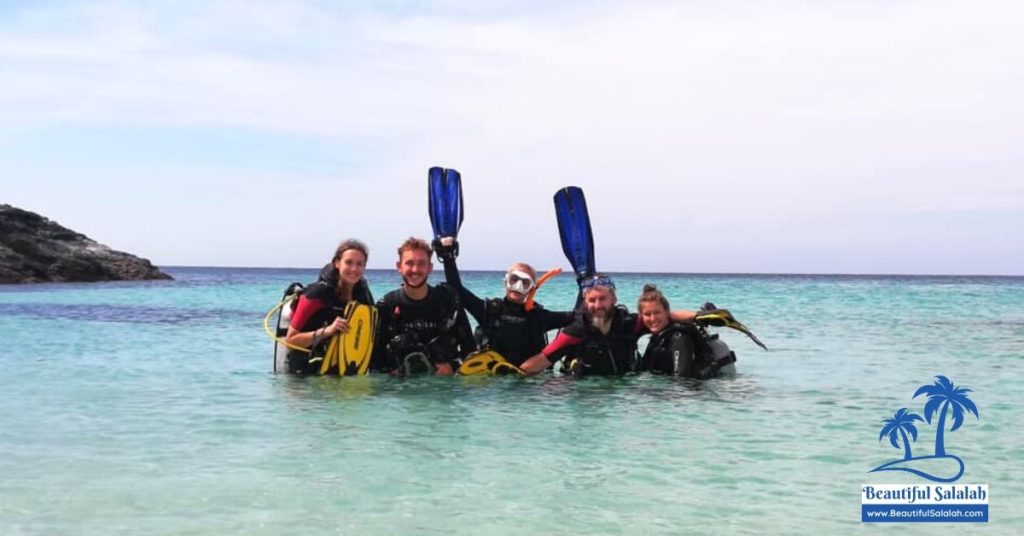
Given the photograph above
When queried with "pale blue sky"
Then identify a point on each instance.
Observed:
(770, 136)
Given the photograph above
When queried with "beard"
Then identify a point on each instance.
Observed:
(515, 296)
(601, 322)
(406, 282)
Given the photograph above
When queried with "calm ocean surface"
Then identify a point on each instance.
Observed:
(150, 408)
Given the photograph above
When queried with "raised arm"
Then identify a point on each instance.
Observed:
(447, 250)
(682, 316)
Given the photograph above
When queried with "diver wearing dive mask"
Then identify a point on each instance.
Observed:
(512, 325)
(518, 281)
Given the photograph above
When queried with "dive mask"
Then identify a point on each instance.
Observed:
(600, 280)
(518, 281)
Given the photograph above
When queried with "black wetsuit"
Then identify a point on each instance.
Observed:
(435, 328)
(596, 353)
(318, 306)
(507, 327)
(682, 350)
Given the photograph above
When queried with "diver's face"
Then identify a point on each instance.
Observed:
(515, 297)
(599, 302)
(414, 266)
(517, 285)
(351, 266)
(654, 316)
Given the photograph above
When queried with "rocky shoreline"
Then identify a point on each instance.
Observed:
(34, 249)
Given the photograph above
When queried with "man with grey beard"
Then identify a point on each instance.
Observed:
(602, 339)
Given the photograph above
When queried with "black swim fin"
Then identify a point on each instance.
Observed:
(444, 202)
(574, 230)
(723, 318)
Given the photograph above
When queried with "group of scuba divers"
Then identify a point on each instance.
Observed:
(333, 326)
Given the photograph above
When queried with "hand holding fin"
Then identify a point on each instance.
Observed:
(446, 248)
(723, 318)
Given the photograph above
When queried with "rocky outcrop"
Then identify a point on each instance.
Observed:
(34, 249)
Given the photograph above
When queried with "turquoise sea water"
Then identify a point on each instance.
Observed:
(149, 408)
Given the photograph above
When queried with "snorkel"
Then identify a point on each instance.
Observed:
(528, 304)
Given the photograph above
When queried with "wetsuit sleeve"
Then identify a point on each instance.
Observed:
(462, 332)
(549, 320)
(562, 342)
(471, 302)
(304, 311)
(451, 273)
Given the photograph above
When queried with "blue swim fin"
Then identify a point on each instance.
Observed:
(574, 230)
(444, 201)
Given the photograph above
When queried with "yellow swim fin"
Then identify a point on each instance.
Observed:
(357, 343)
(478, 363)
(489, 363)
(503, 368)
(331, 357)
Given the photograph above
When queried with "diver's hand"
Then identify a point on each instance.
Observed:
(535, 364)
(340, 325)
(714, 317)
(444, 369)
(446, 247)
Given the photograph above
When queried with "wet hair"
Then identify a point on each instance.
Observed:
(522, 266)
(415, 244)
(351, 243)
(651, 294)
(344, 290)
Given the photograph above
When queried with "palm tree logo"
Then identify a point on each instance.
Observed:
(897, 427)
(943, 398)
(943, 393)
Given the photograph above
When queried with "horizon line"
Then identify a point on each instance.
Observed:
(631, 272)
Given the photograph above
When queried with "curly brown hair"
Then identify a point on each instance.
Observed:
(416, 244)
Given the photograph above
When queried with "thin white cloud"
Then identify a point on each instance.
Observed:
(771, 114)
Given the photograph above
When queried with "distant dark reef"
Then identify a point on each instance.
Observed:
(34, 249)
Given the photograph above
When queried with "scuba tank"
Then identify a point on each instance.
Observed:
(714, 357)
(284, 316)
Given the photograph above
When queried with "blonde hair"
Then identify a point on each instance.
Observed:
(522, 266)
